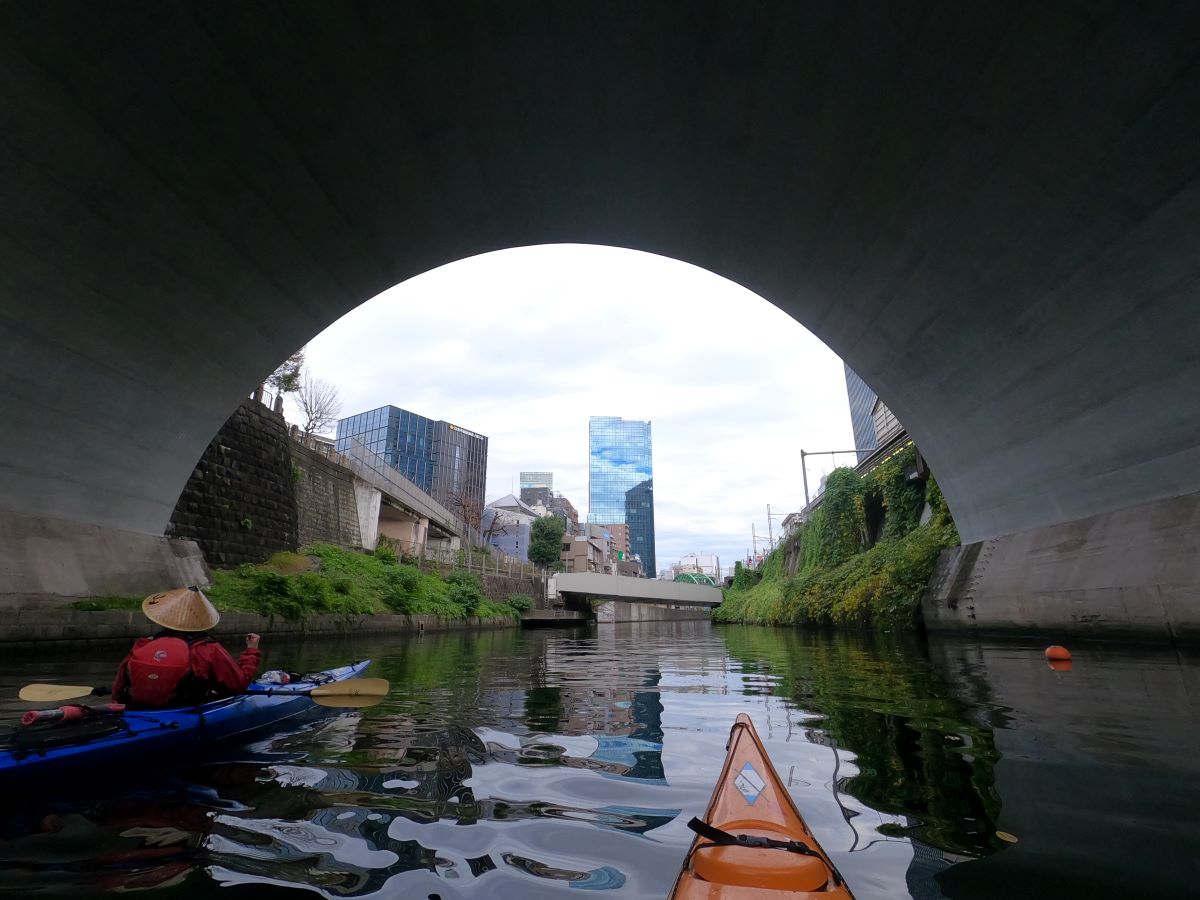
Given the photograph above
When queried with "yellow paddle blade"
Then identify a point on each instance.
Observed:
(353, 687)
(41, 693)
(347, 701)
(356, 692)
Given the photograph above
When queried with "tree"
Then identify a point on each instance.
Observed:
(319, 404)
(495, 528)
(545, 540)
(471, 512)
(468, 509)
(287, 378)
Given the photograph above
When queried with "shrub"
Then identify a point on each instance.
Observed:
(386, 555)
(519, 602)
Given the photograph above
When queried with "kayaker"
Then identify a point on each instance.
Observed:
(182, 665)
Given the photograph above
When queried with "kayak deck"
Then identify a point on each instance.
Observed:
(170, 733)
(751, 801)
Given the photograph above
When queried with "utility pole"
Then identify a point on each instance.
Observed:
(804, 475)
(770, 516)
(754, 538)
(804, 467)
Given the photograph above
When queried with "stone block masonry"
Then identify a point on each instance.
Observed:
(326, 507)
(239, 505)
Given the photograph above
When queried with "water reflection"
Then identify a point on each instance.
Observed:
(509, 764)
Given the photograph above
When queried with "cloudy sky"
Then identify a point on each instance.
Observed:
(524, 345)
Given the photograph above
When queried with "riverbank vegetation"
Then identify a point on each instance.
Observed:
(323, 579)
(862, 560)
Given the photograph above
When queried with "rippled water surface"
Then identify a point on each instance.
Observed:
(542, 763)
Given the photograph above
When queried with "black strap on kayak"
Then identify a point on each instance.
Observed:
(725, 839)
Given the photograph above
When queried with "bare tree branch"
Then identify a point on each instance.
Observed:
(319, 403)
(497, 527)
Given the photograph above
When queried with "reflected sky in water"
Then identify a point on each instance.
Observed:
(543, 763)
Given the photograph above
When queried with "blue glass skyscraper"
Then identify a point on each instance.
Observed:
(621, 481)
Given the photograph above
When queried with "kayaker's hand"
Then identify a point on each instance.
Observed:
(252, 640)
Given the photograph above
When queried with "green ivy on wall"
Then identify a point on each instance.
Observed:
(829, 573)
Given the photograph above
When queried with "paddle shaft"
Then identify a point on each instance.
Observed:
(351, 687)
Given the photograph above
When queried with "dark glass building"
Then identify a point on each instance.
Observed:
(620, 471)
(862, 403)
(639, 516)
(537, 487)
(445, 461)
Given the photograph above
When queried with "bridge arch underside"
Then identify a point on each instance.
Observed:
(988, 210)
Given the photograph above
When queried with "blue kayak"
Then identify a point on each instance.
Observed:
(112, 741)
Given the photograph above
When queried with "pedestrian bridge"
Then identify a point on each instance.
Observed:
(580, 586)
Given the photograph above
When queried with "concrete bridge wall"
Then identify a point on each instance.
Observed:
(1129, 573)
(612, 611)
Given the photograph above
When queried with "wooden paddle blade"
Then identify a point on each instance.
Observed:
(347, 701)
(353, 687)
(42, 693)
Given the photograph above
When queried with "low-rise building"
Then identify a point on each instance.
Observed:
(506, 525)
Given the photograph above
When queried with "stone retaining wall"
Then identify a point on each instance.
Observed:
(325, 503)
(239, 503)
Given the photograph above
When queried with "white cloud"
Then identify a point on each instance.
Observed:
(524, 345)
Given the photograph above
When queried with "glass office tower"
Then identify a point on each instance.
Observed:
(620, 472)
(639, 517)
(862, 402)
(537, 488)
(445, 461)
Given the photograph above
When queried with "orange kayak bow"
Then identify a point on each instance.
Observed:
(752, 843)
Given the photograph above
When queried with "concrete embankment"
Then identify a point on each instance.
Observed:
(56, 622)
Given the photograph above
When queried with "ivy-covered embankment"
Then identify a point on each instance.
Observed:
(862, 560)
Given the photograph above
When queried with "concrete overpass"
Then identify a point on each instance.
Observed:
(595, 586)
(634, 599)
(988, 209)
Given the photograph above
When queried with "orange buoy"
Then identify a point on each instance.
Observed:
(1056, 651)
(1059, 665)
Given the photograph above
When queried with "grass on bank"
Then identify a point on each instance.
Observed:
(863, 560)
(324, 579)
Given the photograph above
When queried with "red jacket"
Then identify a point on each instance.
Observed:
(217, 673)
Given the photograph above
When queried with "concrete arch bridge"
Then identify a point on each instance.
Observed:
(989, 210)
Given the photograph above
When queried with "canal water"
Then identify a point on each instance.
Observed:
(531, 764)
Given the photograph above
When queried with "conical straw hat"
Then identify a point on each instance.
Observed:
(185, 609)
